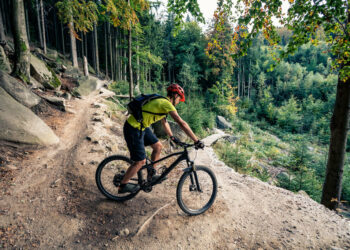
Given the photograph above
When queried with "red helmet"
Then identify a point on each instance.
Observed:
(175, 88)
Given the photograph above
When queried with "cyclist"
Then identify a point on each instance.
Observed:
(136, 143)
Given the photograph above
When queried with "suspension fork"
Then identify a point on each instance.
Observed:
(193, 175)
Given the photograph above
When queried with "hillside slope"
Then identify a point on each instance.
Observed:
(53, 202)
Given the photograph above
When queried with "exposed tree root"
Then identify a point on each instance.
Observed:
(147, 222)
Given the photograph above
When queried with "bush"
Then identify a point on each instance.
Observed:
(196, 115)
(345, 194)
(120, 87)
(232, 156)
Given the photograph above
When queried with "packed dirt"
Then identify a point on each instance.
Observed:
(49, 200)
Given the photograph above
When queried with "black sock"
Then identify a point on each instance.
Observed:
(122, 185)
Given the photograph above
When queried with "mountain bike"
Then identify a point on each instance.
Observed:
(196, 190)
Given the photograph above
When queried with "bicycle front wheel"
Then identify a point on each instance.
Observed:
(196, 190)
(110, 173)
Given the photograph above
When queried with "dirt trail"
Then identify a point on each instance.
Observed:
(53, 202)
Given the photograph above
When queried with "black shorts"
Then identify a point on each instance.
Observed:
(136, 143)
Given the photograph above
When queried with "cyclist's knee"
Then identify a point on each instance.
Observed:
(157, 147)
(140, 163)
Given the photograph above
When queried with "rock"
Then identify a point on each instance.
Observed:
(335, 248)
(91, 70)
(35, 84)
(106, 93)
(19, 124)
(43, 74)
(59, 198)
(125, 232)
(58, 93)
(232, 138)
(67, 96)
(4, 62)
(86, 86)
(38, 50)
(223, 123)
(175, 128)
(18, 91)
(94, 137)
(97, 119)
(71, 111)
(10, 167)
(303, 193)
(52, 54)
(57, 101)
(72, 72)
(63, 68)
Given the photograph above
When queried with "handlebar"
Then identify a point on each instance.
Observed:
(185, 145)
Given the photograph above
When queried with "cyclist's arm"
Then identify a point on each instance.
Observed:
(166, 127)
(184, 126)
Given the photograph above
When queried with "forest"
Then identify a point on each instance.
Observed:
(291, 80)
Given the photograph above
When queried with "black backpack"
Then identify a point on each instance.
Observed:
(135, 106)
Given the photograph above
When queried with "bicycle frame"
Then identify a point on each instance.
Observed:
(183, 156)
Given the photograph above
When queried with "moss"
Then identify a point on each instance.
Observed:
(23, 46)
(55, 82)
(23, 77)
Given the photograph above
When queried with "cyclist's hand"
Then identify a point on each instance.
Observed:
(175, 140)
(199, 144)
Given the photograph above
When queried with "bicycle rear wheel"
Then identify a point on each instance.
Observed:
(196, 190)
(109, 174)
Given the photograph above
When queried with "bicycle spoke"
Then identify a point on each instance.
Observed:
(197, 191)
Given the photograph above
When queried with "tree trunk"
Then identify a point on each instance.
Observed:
(2, 31)
(116, 60)
(81, 44)
(238, 78)
(73, 47)
(131, 83)
(339, 128)
(22, 51)
(39, 24)
(138, 66)
(85, 46)
(97, 60)
(27, 22)
(110, 48)
(63, 43)
(243, 81)
(55, 27)
(43, 25)
(113, 52)
(86, 67)
(106, 54)
(124, 59)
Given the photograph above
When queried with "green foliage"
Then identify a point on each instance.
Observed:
(180, 8)
(232, 156)
(345, 194)
(196, 115)
(83, 14)
(304, 19)
(120, 87)
(288, 116)
(55, 81)
(123, 14)
(224, 98)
